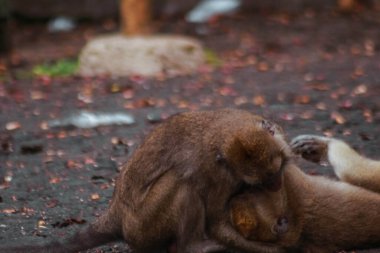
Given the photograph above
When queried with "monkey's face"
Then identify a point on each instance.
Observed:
(260, 216)
(255, 157)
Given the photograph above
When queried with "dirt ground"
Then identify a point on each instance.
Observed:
(312, 72)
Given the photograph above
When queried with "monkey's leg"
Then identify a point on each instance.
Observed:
(348, 165)
(192, 232)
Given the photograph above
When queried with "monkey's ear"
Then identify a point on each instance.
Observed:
(233, 152)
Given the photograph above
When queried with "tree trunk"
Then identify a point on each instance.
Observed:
(4, 27)
(135, 16)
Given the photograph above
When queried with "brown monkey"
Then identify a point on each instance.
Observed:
(348, 165)
(176, 185)
(323, 215)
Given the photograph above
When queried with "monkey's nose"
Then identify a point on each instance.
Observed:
(281, 226)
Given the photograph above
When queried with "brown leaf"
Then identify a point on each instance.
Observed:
(95, 196)
(338, 118)
(13, 125)
(227, 91)
(9, 211)
(319, 86)
(259, 100)
(302, 99)
(55, 180)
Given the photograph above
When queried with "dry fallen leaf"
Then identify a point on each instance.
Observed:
(263, 66)
(55, 180)
(9, 211)
(41, 224)
(302, 99)
(227, 91)
(319, 86)
(240, 100)
(37, 95)
(259, 100)
(360, 90)
(321, 106)
(12, 125)
(95, 196)
(338, 118)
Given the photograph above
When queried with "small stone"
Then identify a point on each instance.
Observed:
(145, 56)
(154, 117)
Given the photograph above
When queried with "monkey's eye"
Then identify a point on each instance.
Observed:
(219, 158)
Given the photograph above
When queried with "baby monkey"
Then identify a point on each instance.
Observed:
(322, 215)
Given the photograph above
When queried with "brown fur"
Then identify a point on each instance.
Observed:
(324, 215)
(176, 185)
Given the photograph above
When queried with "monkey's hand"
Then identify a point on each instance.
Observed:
(228, 236)
(311, 147)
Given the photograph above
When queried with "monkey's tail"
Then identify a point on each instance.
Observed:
(104, 230)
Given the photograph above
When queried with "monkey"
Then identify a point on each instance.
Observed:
(323, 215)
(176, 185)
(348, 165)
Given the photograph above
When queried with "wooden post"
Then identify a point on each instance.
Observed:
(346, 5)
(135, 16)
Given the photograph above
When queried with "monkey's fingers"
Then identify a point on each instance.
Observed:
(313, 148)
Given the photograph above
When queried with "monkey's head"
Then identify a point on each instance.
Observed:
(261, 216)
(256, 154)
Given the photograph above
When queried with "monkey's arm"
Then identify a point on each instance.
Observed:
(348, 165)
(226, 234)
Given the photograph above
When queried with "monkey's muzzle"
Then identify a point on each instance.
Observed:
(281, 226)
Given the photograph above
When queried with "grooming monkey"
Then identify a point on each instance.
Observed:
(323, 215)
(176, 186)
